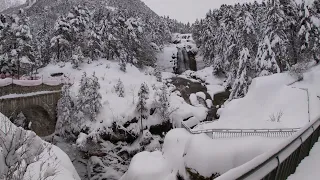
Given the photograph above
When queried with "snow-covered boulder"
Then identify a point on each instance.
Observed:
(146, 166)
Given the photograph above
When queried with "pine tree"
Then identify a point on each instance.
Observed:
(142, 109)
(163, 103)
(60, 43)
(95, 97)
(123, 64)
(77, 57)
(158, 74)
(66, 126)
(243, 79)
(309, 32)
(89, 98)
(266, 59)
(119, 88)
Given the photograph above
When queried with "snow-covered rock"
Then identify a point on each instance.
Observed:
(193, 99)
(146, 166)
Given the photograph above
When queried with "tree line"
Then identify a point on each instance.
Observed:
(245, 41)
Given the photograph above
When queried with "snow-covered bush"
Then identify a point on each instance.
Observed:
(119, 88)
(298, 69)
(276, 117)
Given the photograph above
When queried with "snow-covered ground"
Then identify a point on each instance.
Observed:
(271, 96)
(308, 168)
(123, 109)
(51, 163)
(197, 152)
(266, 96)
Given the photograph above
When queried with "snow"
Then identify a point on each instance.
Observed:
(193, 99)
(209, 103)
(184, 111)
(51, 81)
(52, 161)
(268, 96)
(200, 153)
(11, 96)
(201, 95)
(146, 166)
(108, 73)
(208, 156)
(307, 168)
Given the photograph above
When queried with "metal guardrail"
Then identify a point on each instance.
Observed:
(232, 133)
(280, 163)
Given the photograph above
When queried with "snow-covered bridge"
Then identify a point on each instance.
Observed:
(37, 102)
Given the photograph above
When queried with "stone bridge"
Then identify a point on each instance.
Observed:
(39, 108)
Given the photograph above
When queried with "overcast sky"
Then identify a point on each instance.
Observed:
(187, 10)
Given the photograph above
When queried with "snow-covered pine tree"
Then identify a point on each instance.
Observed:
(60, 43)
(275, 29)
(77, 57)
(4, 64)
(142, 109)
(266, 63)
(163, 103)
(243, 79)
(95, 97)
(94, 45)
(66, 125)
(79, 19)
(88, 99)
(122, 61)
(119, 88)
(158, 73)
(309, 40)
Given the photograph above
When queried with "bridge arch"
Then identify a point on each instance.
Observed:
(39, 120)
(39, 109)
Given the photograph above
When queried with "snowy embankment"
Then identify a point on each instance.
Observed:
(269, 104)
(199, 153)
(123, 109)
(308, 168)
(44, 160)
(266, 96)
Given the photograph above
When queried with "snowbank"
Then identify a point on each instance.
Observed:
(268, 97)
(183, 111)
(115, 108)
(146, 166)
(208, 156)
(200, 153)
(52, 162)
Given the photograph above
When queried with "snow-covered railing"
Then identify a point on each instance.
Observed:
(49, 82)
(281, 162)
(231, 133)
(11, 86)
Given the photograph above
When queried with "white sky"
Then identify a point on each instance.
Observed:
(187, 10)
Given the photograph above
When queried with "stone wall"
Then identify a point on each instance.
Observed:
(42, 104)
(17, 89)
